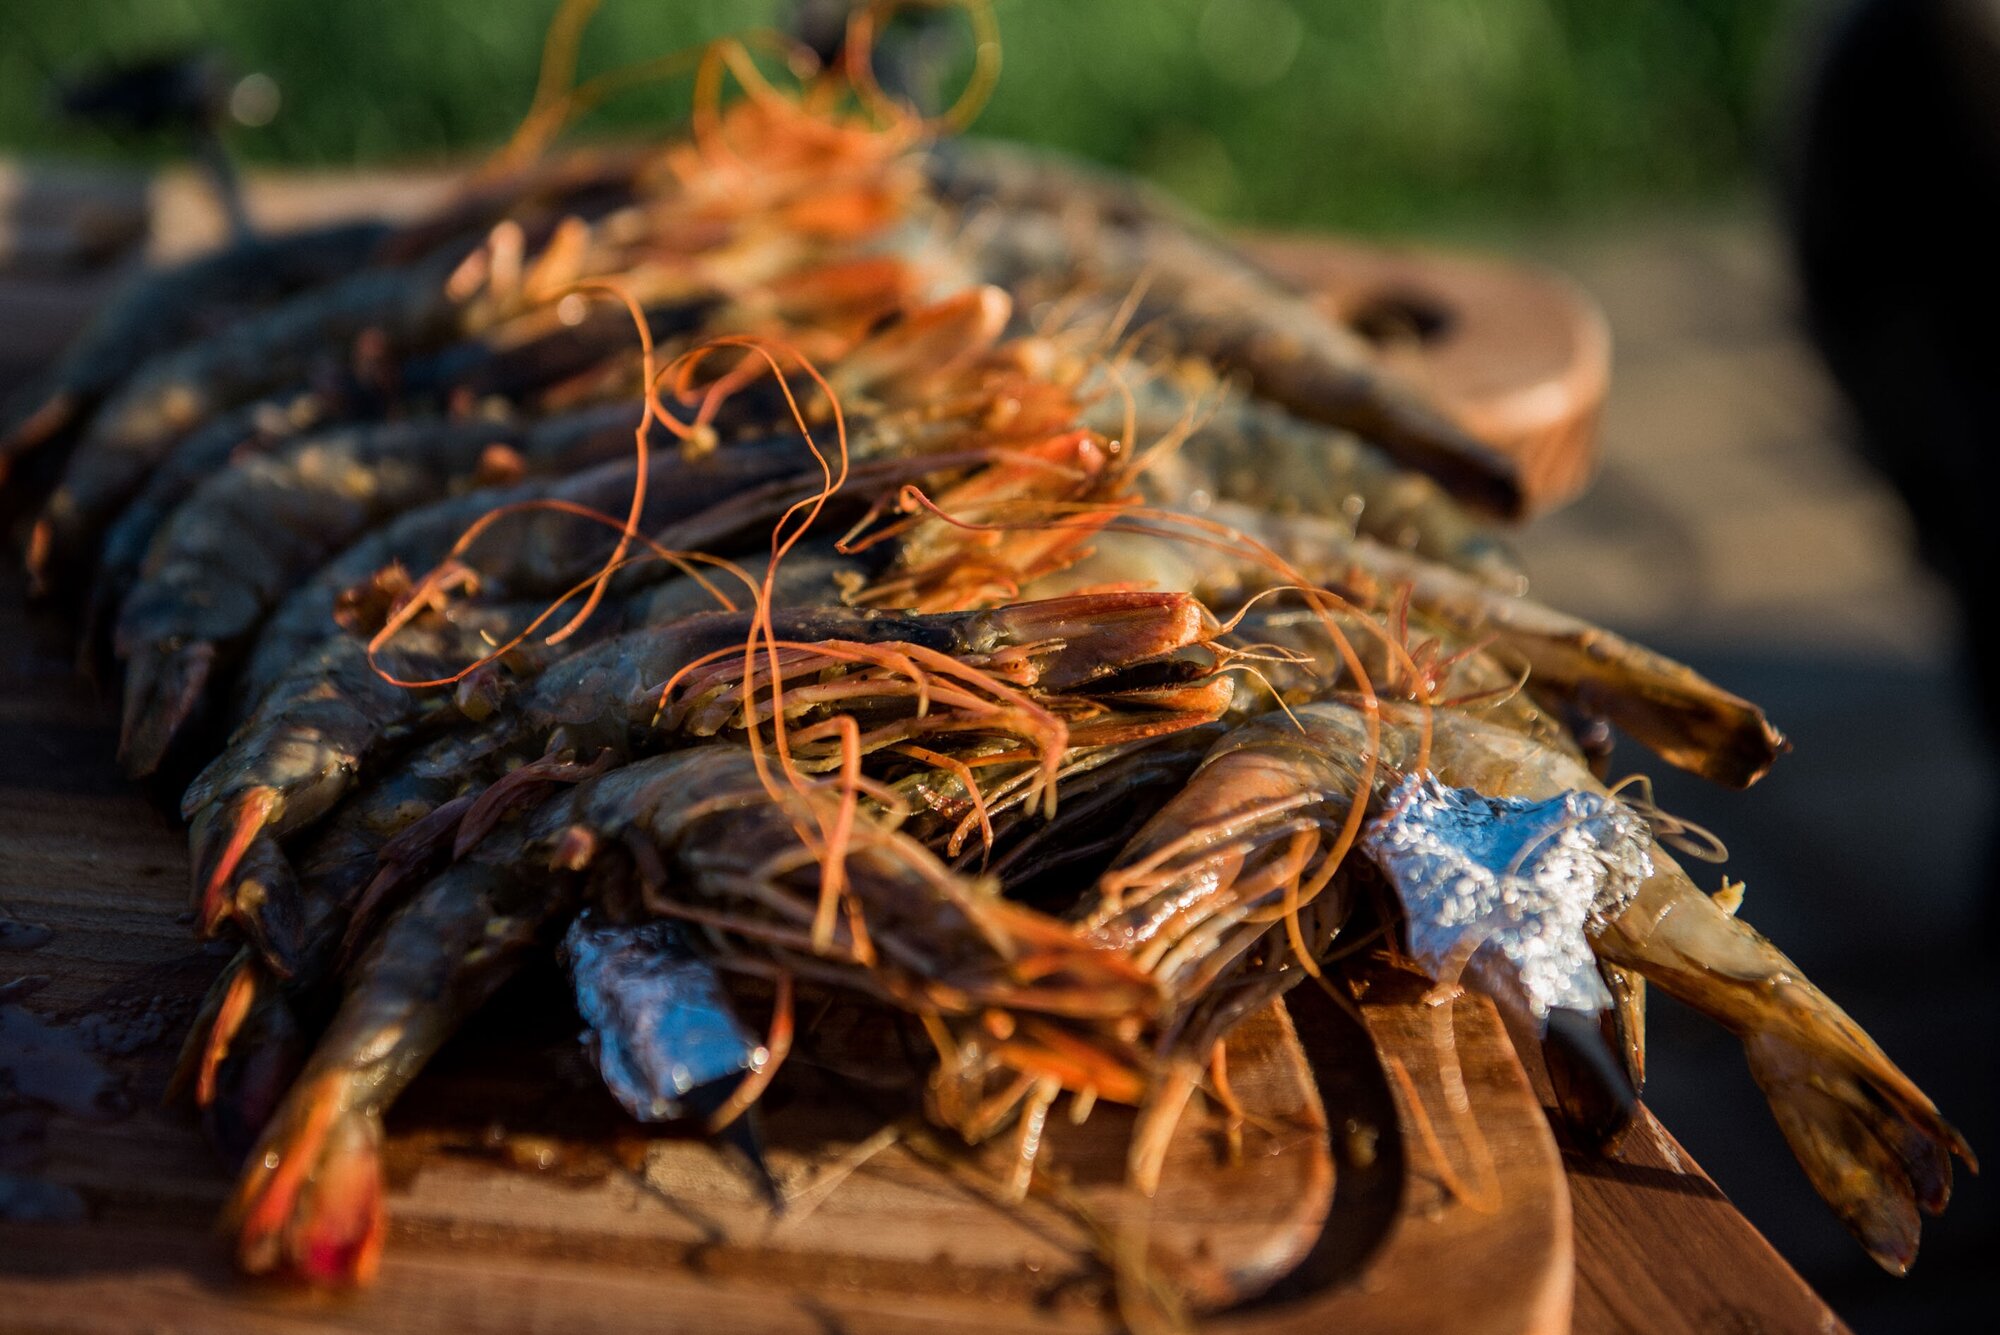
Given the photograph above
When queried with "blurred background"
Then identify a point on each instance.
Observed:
(1678, 159)
(1378, 115)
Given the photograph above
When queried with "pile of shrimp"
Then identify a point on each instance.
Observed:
(823, 553)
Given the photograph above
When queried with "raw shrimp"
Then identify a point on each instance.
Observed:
(319, 728)
(1666, 706)
(719, 498)
(178, 305)
(173, 306)
(309, 1203)
(1246, 450)
(1106, 789)
(1009, 996)
(174, 393)
(1872, 1144)
(1197, 297)
(1258, 833)
(538, 553)
(604, 694)
(252, 531)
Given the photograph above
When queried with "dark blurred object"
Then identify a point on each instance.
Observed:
(165, 93)
(187, 96)
(913, 50)
(64, 221)
(1895, 204)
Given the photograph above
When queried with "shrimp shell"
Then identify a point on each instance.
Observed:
(262, 354)
(1199, 298)
(252, 531)
(169, 307)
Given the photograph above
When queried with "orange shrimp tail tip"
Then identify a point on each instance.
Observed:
(39, 427)
(40, 554)
(265, 906)
(161, 692)
(240, 989)
(220, 837)
(1874, 1148)
(1094, 635)
(246, 1072)
(188, 1070)
(309, 1206)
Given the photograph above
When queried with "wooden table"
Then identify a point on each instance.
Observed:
(95, 948)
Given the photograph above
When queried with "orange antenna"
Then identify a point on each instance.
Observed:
(859, 52)
(549, 109)
(423, 593)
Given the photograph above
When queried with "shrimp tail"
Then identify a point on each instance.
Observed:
(220, 837)
(162, 691)
(240, 1056)
(267, 907)
(251, 884)
(310, 1204)
(1872, 1144)
(49, 418)
(189, 1072)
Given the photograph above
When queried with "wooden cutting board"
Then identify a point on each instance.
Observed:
(1519, 355)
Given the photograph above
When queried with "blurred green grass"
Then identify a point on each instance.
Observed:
(1369, 115)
